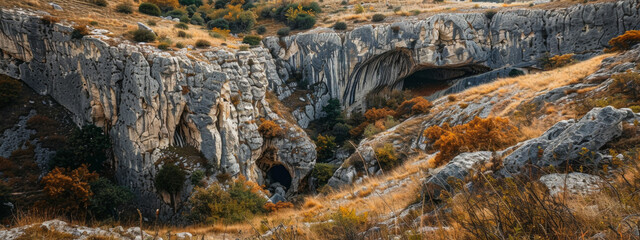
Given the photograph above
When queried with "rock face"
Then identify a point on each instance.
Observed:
(458, 168)
(82, 232)
(574, 183)
(149, 100)
(570, 141)
(354, 63)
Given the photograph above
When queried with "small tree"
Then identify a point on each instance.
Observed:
(108, 198)
(87, 146)
(69, 191)
(170, 179)
(325, 146)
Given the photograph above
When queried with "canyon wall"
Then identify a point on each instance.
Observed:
(352, 64)
(149, 100)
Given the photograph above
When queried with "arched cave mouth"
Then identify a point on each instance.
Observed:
(426, 80)
(280, 174)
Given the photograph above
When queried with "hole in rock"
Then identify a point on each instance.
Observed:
(279, 174)
(428, 80)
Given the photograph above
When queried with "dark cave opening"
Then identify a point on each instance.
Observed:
(278, 173)
(428, 80)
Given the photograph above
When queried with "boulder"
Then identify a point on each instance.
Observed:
(56, 6)
(573, 183)
(145, 27)
(575, 142)
(458, 168)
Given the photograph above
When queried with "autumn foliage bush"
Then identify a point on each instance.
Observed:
(416, 105)
(386, 156)
(375, 114)
(325, 146)
(271, 207)
(269, 129)
(480, 134)
(627, 83)
(625, 41)
(69, 190)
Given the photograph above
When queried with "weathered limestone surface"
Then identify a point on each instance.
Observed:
(353, 63)
(149, 100)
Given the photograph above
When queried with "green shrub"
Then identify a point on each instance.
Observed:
(215, 205)
(179, 45)
(196, 19)
(341, 132)
(386, 156)
(170, 179)
(243, 22)
(185, 19)
(490, 13)
(87, 145)
(93, 23)
(325, 147)
(304, 21)
(196, 177)
(182, 34)
(108, 198)
(201, 43)
(220, 23)
(142, 35)
(340, 26)
(125, 8)
(285, 31)
(378, 17)
(79, 32)
(358, 8)
(151, 23)
(195, 3)
(252, 40)
(163, 46)
(181, 26)
(149, 9)
(9, 90)
(261, 30)
(177, 13)
(322, 172)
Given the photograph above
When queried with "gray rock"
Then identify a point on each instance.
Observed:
(277, 198)
(55, 6)
(184, 236)
(145, 27)
(570, 141)
(573, 183)
(458, 168)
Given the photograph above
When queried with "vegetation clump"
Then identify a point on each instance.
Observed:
(149, 9)
(322, 172)
(488, 134)
(386, 156)
(625, 41)
(378, 17)
(252, 40)
(142, 35)
(9, 90)
(285, 31)
(325, 146)
(201, 43)
(269, 129)
(340, 26)
(79, 32)
(170, 179)
(125, 8)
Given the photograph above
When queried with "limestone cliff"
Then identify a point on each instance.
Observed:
(352, 64)
(149, 100)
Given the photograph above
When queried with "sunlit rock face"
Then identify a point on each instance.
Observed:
(149, 100)
(351, 64)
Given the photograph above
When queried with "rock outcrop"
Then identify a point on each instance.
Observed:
(354, 63)
(149, 100)
(79, 232)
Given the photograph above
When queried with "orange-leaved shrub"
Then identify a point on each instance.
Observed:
(480, 134)
(271, 207)
(625, 41)
(374, 114)
(386, 156)
(416, 105)
(69, 190)
(270, 129)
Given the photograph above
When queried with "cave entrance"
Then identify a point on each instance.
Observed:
(279, 174)
(429, 79)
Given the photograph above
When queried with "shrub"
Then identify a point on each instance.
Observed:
(177, 13)
(341, 132)
(556, 61)
(269, 129)
(215, 205)
(358, 8)
(386, 156)
(490, 13)
(149, 9)
(86, 146)
(285, 31)
(142, 35)
(489, 134)
(417, 105)
(196, 177)
(201, 43)
(197, 19)
(182, 34)
(218, 23)
(101, 3)
(93, 23)
(278, 206)
(181, 26)
(340, 26)
(163, 46)
(165, 5)
(185, 19)
(48, 19)
(252, 40)
(69, 190)
(374, 114)
(9, 90)
(242, 22)
(346, 224)
(179, 45)
(108, 198)
(625, 41)
(125, 8)
(79, 32)
(325, 146)
(378, 17)
(243, 47)
(261, 30)
(322, 172)
(627, 83)
(170, 179)
(151, 23)
(304, 21)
